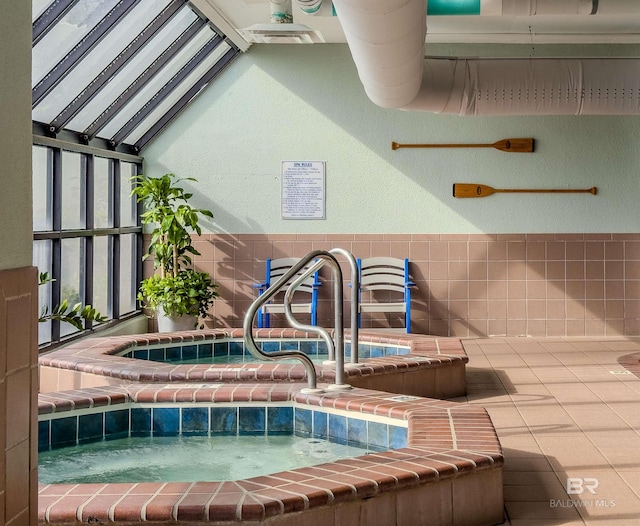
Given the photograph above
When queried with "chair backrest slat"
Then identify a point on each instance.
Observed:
(279, 267)
(382, 273)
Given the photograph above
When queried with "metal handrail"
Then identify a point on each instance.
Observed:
(355, 291)
(250, 342)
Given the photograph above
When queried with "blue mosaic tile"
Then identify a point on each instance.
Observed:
(338, 428)
(173, 354)
(322, 347)
(221, 349)
(376, 351)
(303, 421)
(309, 347)
(140, 421)
(290, 345)
(90, 427)
(320, 424)
(141, 354)
(116, 423)
(205, 350)
(251, 420)
(279, 420)
(166, 421)
(224, 420)
(236, 348)
(271, 346)
(397, 437)
(356, 431)
(377, 435)
(364, 351)
(156, 355)
(44, 428)
(195, 420)
(347, 349)
(64, 431)
(189, 352)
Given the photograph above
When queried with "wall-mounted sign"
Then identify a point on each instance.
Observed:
(303, 189)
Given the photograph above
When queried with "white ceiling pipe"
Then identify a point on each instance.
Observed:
(541, 86)
(549, 7)
(567, 7)
(386, 39)
(386, 45)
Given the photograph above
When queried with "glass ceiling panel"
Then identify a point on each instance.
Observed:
(99, 58)
(66, 34)
(39, 7)
(106, 69)
(176, 94)
(142, 60)
(156, 83)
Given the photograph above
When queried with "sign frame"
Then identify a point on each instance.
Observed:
(303, 190)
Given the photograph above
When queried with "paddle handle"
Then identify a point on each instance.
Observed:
(593, 190)
(482, 190)
(395, 145)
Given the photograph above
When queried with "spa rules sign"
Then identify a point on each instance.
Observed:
(303, 189)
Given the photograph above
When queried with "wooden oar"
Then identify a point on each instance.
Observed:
(482, 190)
(505, 145)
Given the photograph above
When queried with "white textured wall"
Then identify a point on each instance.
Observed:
(15, 135)
(305, 103)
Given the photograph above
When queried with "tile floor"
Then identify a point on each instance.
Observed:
(563, 408)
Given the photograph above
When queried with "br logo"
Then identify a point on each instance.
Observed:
(576, 485)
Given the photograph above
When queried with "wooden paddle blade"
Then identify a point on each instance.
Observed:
(471, 190)
(515, 145)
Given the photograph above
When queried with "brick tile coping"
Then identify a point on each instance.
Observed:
(100, 356)
(446, 441)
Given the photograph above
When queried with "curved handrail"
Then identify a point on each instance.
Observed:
(266, 296)
(324, 334)
(337, 345)
(355, 291)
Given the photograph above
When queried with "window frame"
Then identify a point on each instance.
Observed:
(56, 235)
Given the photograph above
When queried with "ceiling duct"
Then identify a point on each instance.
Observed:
(387, 40)
(282, 30)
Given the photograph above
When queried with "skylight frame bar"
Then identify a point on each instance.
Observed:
(101, 80)
(51, 16)
(166, 90)
(217, 68)
(82, 48)
(123, 99)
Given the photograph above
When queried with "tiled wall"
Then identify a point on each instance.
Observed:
(208, 352)
(18, 396)
(467, 284)
(172, 420)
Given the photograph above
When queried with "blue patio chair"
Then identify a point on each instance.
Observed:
(390, 275)
(275, 269)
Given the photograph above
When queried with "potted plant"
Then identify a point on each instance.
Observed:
(176, 293)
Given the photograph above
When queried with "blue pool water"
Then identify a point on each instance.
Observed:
(203, 441)
(186, 458)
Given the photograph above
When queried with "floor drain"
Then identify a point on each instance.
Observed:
(620, 372)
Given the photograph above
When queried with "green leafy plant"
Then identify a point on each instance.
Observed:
(188, 293)
(76, 314)
(176, 288)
